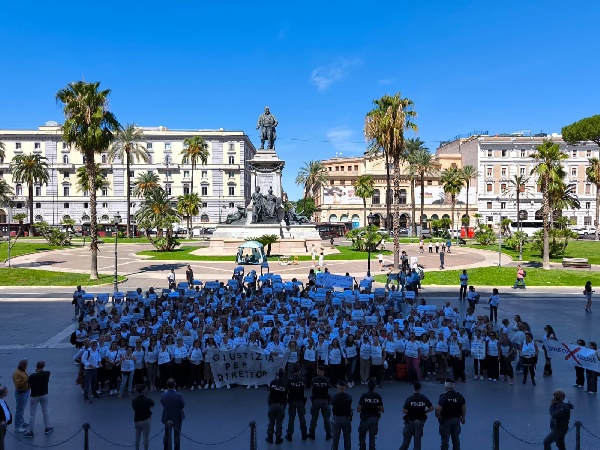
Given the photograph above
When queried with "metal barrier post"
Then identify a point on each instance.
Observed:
(86, 437)
(578, 435)
(253, 442)
(496, 435)
(169, 435)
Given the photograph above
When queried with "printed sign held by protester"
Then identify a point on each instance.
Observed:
(573, 354)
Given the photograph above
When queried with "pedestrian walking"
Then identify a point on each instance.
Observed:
(587, 291)
(22, 389)
(313, 254)
(464, 282)
(78, 301)
(5, 415)
(437, 246)
(449, 245)
(38, 382)
(521, 274)
(320, 403)
(560, 415)
(442, 258)
(277, 399)
(421, 245)
(380, 259)
(494, 302)
(189, 276)
(473, 299)
(415, 409)
(173, 404)
(142, 415)
(171, 279)
(451, 412)
(370, 408)
(90, 360)
(341, 406)
(296, 403)
(321, 257)
(430, 247)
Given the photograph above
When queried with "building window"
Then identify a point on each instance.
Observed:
(231, 190)
(168, 174)
(574, 153)
(402, 197)
(186, 189)
(504, 153)
(105, 205)
(489, 187)
(429, 182)
(587, 220)
(356, 167)
(342, 182)
(204, 205)
(17, 146)
(19, 205)
(489, 171)
(19, 189)
(588, 188)
(231, 174)
(168, 189)
(588, 153)
(490, 153)
(85, 205)
(204, 190)
(231, 205)
(204, 174)
(503, 171)
(38, 206)
(149, 145)
(231, 147)
(38, 191)
(167, 146)
(349, 168)
(376, 197)
(573, 172)
(232, 160)
(66, 205)
(83, 159)
(66, 174)
(132, 174)
(489, 218)
(522, 170)
(65, 159)
(588, 205)
(341, 168)
(66, 191)
(502, 205)
(489, 205)
(184, 160)
(37, 145)
(186, 174)
(329, 168)
(65, 146)
(523, 153)
(104, 192)
(337, 168)
(503, 186)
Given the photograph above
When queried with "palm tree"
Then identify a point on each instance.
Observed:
(547, 159)
(145, 183)
(562, 196)
(29, 169)
(157, 211)
(90, 127)
(468, 173)
(6, 192)
(517, 186)
(425, 165)
(384, 129)
(127, 146)
(195, 150)
(83, 182)
(419, 163)
(452, 181)
(311, 176)
(188, 206)
(592, 172)
(2, 151)
(364, 187)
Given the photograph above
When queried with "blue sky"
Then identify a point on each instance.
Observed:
(467, 65)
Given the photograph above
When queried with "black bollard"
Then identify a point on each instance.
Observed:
(169, 435)
(86, 436)
(578, 425)
(496, 435)
(253, 440)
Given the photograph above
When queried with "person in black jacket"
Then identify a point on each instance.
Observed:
(370, 407)
(5, 415)
(416, 407)
(173, 405)
(341, 405)
(296, 403)
(142, 407)
(320, 403)
(278, 394)
(451, 412)
(38, 382)
(560, 415)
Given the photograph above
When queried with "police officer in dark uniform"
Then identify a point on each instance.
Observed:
(416, 407)
(320, 403)
(451, 412)
(278, 393)
(296, 403)
(370, 407)
(341, 407)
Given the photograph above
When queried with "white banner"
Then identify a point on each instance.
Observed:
(246, 365)
(330, 279)
(573, 354)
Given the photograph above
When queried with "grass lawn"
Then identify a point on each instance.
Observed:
(184, 254)
(505, 276)
(575, 249)
(32, 277)
(25, 247)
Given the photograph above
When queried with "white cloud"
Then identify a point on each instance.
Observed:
(346, 141)
(324, 76)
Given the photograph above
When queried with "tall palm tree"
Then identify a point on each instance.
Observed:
(158, 211)
(29, 169)
(188, 206)
(415, 148)
(2, 151)
(145, 183)
(127, 146)
(452, 182)
(90, 127)
(6, 192)
(468, 173)
(83, 182)
(548, 169)
(592, 173)
(195, 150)
(385, 125)
(425, 165)
(562, 196)
(312, 175)
(517, 186)
(364, 187)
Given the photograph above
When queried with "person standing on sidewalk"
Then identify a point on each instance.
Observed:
(442, 258)
(416, 407)
(451, 412)
(341, 405)
(38, 381)
(370, 408)
(171, 279)
(296, 403)
(173, 404)
(189, 276)
(90, 359)
(20, 378)
(142, 416)
(560, 415)
(5, 415)
(464, 282)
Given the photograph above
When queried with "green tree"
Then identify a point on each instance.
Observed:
(266, 240)
(584, 130)
(548, 169)
(6, 192)
(90, 127)
(311, 176)
(505, 226)
(385, 125)
(83, 181)
(517, 187)
(2, 151)
(425, 165)
(452, 182)
(196, 151)
(30, 170)
(364, 187)
(562, 196)
(145, 183)
(188, 206)
(592, 173)
(468, 173)
(306, 207)
(485, 235)
(127, 146)
(158, 211)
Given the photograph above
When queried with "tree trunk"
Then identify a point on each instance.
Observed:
(192, 182)
(396, 218)
(365, 213)
(422, 200)
(546, 243)
(519, 219)
(596, 224)
(189, 225)
(413, 206)
(30, 189)
(387, 195)
(128, 193)
(467, 207)
(453, 198)
(91, 170)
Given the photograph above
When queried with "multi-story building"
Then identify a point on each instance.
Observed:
(499, 158)
(223, 182)
(337, 202)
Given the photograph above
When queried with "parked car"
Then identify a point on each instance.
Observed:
(583, 231)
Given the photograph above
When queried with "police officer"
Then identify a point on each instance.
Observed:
(320, 403)
(370, 407)
(278, 393)
(451, 412)
(296, 403)
(341, 405)
(416, 407)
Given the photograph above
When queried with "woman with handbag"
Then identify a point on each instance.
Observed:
(529, 352)
(112, 363)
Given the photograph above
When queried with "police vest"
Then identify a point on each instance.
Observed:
(320, 388)
(370, 403)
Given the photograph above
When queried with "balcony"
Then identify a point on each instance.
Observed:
(65, 166)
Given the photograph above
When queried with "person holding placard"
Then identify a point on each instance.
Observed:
(411, 353)
(310, 360)
(478, 354)
(365, 359)
(492, 357)
(592, 375)
(351, 351)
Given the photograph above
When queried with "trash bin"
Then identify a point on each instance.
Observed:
(471, 232)
(463, 232)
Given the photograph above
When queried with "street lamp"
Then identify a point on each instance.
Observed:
(116, 221)
(370, 219)
(459, 226)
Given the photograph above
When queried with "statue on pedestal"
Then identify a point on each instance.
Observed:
(267, 124)
(257, 205)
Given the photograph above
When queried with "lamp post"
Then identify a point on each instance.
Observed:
(459, 225)
(116, 221)
(370, 219)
